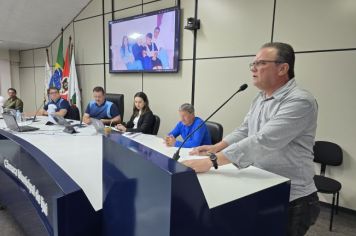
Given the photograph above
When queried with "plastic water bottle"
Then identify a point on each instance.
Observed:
(18, 116)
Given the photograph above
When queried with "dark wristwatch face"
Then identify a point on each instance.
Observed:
(213, 157)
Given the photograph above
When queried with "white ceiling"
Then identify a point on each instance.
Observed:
(26, 24)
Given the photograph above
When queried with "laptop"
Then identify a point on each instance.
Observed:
(61, 121)
(98, 125)
(11, 123)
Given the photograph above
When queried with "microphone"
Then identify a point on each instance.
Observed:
(176, 155)
(34, 118)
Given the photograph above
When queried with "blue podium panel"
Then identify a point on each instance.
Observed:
(147, 193)
(40, 195)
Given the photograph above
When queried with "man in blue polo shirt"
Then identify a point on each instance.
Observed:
(101, 109)
(189, 122)
(56, 105)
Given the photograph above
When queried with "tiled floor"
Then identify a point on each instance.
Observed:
(344, 225)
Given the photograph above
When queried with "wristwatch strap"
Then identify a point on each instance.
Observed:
(214, 159)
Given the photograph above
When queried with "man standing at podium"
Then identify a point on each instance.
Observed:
(277, 134)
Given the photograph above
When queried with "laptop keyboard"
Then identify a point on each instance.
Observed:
(26, 128)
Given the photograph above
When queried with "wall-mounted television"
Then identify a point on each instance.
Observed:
(145, 43)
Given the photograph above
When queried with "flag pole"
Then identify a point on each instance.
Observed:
(69, 46)
(62, 31)
(71, 50)
(45, 95)
(47, 55)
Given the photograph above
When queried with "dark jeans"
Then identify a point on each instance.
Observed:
(302, 213)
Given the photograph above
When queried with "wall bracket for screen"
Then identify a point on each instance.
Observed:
(192, 24)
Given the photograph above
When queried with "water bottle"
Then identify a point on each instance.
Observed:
(18, 116)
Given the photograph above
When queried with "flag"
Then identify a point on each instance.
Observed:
(48, 75)
(56, 78)
(73, 90)
(65, 77)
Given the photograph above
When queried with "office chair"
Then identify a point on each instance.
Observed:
(156, 125)
(216, 131)
(118, 100)
(73, 113)
(328, 153)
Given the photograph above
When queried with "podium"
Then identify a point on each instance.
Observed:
(39, 194)
(145, 192)
(55, 183)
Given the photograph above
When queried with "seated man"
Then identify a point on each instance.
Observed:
(189, 122)
(57, 105)
(13, 102)
(101, 109)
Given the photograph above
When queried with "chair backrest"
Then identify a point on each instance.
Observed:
(327, 153)
(156, 125)
(118, 100)
(216, 131)
(73, 113)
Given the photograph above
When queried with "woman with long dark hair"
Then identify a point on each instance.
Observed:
(127, 55)
(142, 119)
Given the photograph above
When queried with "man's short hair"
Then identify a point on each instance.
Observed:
(187, 107)
(99, 89)
(285, 54)
(149, 35)
(12, 89)
(52, 88)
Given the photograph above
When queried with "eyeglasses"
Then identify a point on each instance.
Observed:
(258, 63)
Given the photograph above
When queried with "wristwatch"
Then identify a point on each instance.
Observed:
(213, 159)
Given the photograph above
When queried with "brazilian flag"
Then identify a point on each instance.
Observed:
(58, 68)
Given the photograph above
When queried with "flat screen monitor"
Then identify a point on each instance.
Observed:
(145, 43)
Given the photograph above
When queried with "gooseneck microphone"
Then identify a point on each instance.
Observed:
(34, 117)
(176, 155)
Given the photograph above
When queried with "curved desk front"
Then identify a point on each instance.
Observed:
(36, 190)
(55, 183)
(148, 193)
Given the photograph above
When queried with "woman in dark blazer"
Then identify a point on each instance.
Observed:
(142, 119)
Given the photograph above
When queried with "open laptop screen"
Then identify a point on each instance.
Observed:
(10, 121)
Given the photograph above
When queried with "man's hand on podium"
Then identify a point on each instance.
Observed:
(202, 150)
(199, 165)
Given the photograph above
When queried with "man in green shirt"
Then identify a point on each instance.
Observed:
(13, 102)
